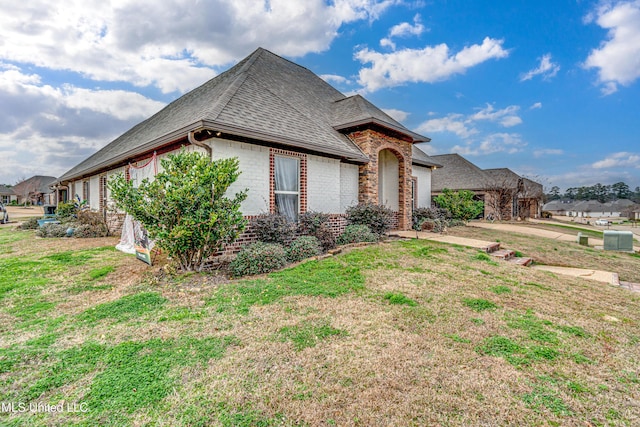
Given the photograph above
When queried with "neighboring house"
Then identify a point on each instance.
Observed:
(36, 190)
(559, 207)
(505, 194)
(7, 195)
(301, 144)
(595, 209)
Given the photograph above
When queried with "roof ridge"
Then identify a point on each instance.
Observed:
(233, 87)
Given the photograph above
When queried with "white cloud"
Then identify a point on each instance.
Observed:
(618, 58)
(50, 129)
(406, 30)
(536, 106)
(546, 69)
(506, 117)
(619, 160)
(548, 152)
(430, 64)
(333, 78)
(399, 115)
(177, 46)
(454, 123)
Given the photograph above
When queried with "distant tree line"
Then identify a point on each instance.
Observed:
(599, 192)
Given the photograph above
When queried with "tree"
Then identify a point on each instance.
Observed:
(620, 190)
(185, 209)
(460, 204)
(554, 193)
(26, 189)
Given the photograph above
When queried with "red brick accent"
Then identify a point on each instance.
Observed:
(272, 177)
(371, 142)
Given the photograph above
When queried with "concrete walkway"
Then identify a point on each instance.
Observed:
(596, 275)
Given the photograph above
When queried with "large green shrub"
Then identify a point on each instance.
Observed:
(273, 228)
(302, 248)
(356, 233)
(185, 209)
(460, 203)
(377, 217)
(258, 258)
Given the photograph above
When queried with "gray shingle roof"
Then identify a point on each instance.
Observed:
(39, 183)
(458, 173)
(263, 97)
(423, 159)
(6, 191)
(504, 177)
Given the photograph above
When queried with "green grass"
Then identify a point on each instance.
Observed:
(124, 308)
(308, 334)
(329, 278)
(399, 299)
(479, 304)
(338, 341)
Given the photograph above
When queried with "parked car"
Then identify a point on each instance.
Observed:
(4, 215)
(602, 222)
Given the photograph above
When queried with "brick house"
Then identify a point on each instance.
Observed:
(301, 144)
(505, 194)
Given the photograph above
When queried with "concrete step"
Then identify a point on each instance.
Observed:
(523, 261)
(504, 254)
(491, 247)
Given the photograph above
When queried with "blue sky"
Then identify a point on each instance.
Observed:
(549, 89)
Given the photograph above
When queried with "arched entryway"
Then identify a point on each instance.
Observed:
(389, 179)
(393, 184)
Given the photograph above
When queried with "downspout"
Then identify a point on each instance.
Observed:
(192, 140)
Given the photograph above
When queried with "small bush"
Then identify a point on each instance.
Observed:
(30, 224)
(356, 233)
(273, 228)
(302, 248)
(377, 217)
(310, 222)
(52, 230)
(87, 230)
(317, 224)
(258, 258)
(66, 211)
(420, 214)
(456, 223)
(87, 217)
(435, 225)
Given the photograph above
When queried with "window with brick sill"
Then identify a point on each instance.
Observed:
(287, 186)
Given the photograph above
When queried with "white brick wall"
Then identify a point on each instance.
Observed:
(348, 186)
(424, 185)
(254, 164)
(323, 184)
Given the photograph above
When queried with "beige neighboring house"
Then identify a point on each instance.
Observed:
(36, 190)
(301, 145)
(7, 195)
(505, 194)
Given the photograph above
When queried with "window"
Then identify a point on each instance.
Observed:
(287, 186)
(414, 192)
(85, 190)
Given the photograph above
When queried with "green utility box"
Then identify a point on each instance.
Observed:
(618, 240)
(583, 240)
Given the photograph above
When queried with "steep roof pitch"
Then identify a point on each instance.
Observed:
(503, 177)
(264, 97)
(458, 173)
(38, 184)
(423, 159)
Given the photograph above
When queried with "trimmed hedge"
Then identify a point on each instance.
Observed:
(258, 258)
(302, 248)
(377, 218)
(357, 233)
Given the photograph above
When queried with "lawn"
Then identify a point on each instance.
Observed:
(400, 333)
